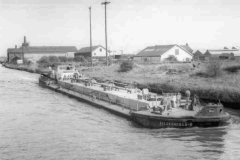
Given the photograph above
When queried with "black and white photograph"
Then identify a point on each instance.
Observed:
(119, 79)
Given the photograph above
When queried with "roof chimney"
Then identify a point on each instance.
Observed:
(25, 40)
(186, 44)
(15, 46)
(225, 48)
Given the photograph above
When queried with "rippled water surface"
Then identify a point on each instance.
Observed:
(37, 123)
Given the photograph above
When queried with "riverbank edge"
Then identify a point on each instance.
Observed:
(228, 97)
(24, 68)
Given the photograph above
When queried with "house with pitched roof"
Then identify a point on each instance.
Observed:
(199, 55)
(97, 51)
(187, 47)
(36, 52)
(159, 53)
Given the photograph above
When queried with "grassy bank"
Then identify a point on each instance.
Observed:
(192, 76)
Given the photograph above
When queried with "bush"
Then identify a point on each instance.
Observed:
(232, 69)
(177, 66)
(214, 67)
(126, 66)
(171, 58)
(63, 59)
(53, 59)
(88, 59)
(102, 60)
(80, 59)
(27, 62)
(44, 59)
(200, 74)
(70, 59)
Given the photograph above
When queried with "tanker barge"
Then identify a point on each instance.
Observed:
(148, 109)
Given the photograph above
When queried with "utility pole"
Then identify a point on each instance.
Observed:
(106, 3)
(22, 53)
(91, 36)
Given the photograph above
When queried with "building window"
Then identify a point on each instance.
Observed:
(100, 49)
(94, 54)
(176, 51)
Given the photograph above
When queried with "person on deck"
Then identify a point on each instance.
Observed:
(174, 98)
(49, 71)
(53, 74)
(50, 68)
(165, 103)
(188, 94)
(179, 99)
(195, 102)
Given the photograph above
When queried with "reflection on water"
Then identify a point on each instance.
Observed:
(37, 123)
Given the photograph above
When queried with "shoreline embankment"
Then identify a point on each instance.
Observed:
(228, 96)
(26, 68)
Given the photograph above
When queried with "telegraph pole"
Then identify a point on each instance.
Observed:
(91, 36)
(22, 53)
(106, 3)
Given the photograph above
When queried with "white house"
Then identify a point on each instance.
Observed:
(160, 53)
(97, 51)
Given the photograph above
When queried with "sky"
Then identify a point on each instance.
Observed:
(132, 24)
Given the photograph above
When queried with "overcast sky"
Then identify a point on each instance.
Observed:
(132, 24)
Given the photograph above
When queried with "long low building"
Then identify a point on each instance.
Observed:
(224, 54)
(36, 52)
(158, 53)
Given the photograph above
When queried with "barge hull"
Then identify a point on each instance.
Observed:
(153, 122)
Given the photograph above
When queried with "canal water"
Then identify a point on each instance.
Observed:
(37, 123)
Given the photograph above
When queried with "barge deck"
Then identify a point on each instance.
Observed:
(121, 111)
